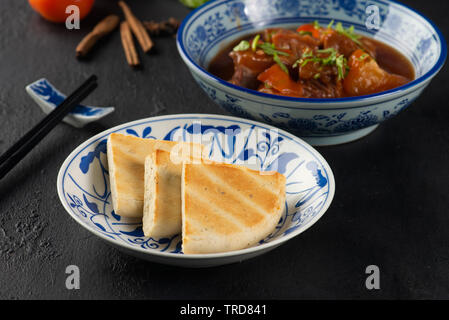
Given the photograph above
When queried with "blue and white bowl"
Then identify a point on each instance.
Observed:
(84, 189)
(318, 121)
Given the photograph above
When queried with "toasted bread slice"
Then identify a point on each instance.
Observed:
(162, 201)
(126, 161)
(228, 207)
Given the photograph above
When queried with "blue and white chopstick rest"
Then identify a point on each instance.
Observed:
(48, 98)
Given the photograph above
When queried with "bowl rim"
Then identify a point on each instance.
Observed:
(253, 249)
(388, 93)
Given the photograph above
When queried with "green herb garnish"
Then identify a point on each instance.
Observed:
(297, 62)
(255, 42)
(363, 56)
(342, 65)
(270, 49)
(349, 32)
(193, 3)
(242, 46)
(327, 50)
(279, 62)
(330, 24)
(332, 59)
(267, 48)
(316, 24)
(305, 33)
(306, 54)
(317, 76)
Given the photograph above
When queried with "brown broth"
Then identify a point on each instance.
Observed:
(392, 61)
(222, 65)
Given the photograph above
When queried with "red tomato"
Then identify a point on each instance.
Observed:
(54, 10)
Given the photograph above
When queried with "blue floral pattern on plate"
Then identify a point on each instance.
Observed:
(83, 182)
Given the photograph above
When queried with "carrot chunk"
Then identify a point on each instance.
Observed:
(278, 79)
(310, 28)
(365, 76)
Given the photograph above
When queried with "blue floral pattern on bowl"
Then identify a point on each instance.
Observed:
(318, 121)
(83, 181)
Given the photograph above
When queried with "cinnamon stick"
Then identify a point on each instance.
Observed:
(137, 27)
(103, 28)
(128, 45)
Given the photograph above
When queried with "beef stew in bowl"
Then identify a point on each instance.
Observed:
(392, 62)
(312, 62)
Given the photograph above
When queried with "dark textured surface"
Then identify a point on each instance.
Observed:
(390, 209)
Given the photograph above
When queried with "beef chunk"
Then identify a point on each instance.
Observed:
(247, 66)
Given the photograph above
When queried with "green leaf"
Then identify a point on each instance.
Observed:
(279, 62)
(242, 46)
(297, 62)
(308, 53)
(332, 59)
(349, 32)
(270, 49)
(363, 56)
(255, 42)
(305, 33)
(341, 64)
(193, 3)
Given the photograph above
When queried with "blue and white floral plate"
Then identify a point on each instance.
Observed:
(83, 182)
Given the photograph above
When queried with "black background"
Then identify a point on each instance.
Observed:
(390, 208)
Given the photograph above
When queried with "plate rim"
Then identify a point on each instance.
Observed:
(262, 247)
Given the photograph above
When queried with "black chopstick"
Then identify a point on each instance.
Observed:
(25, 144)
(5, 156)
